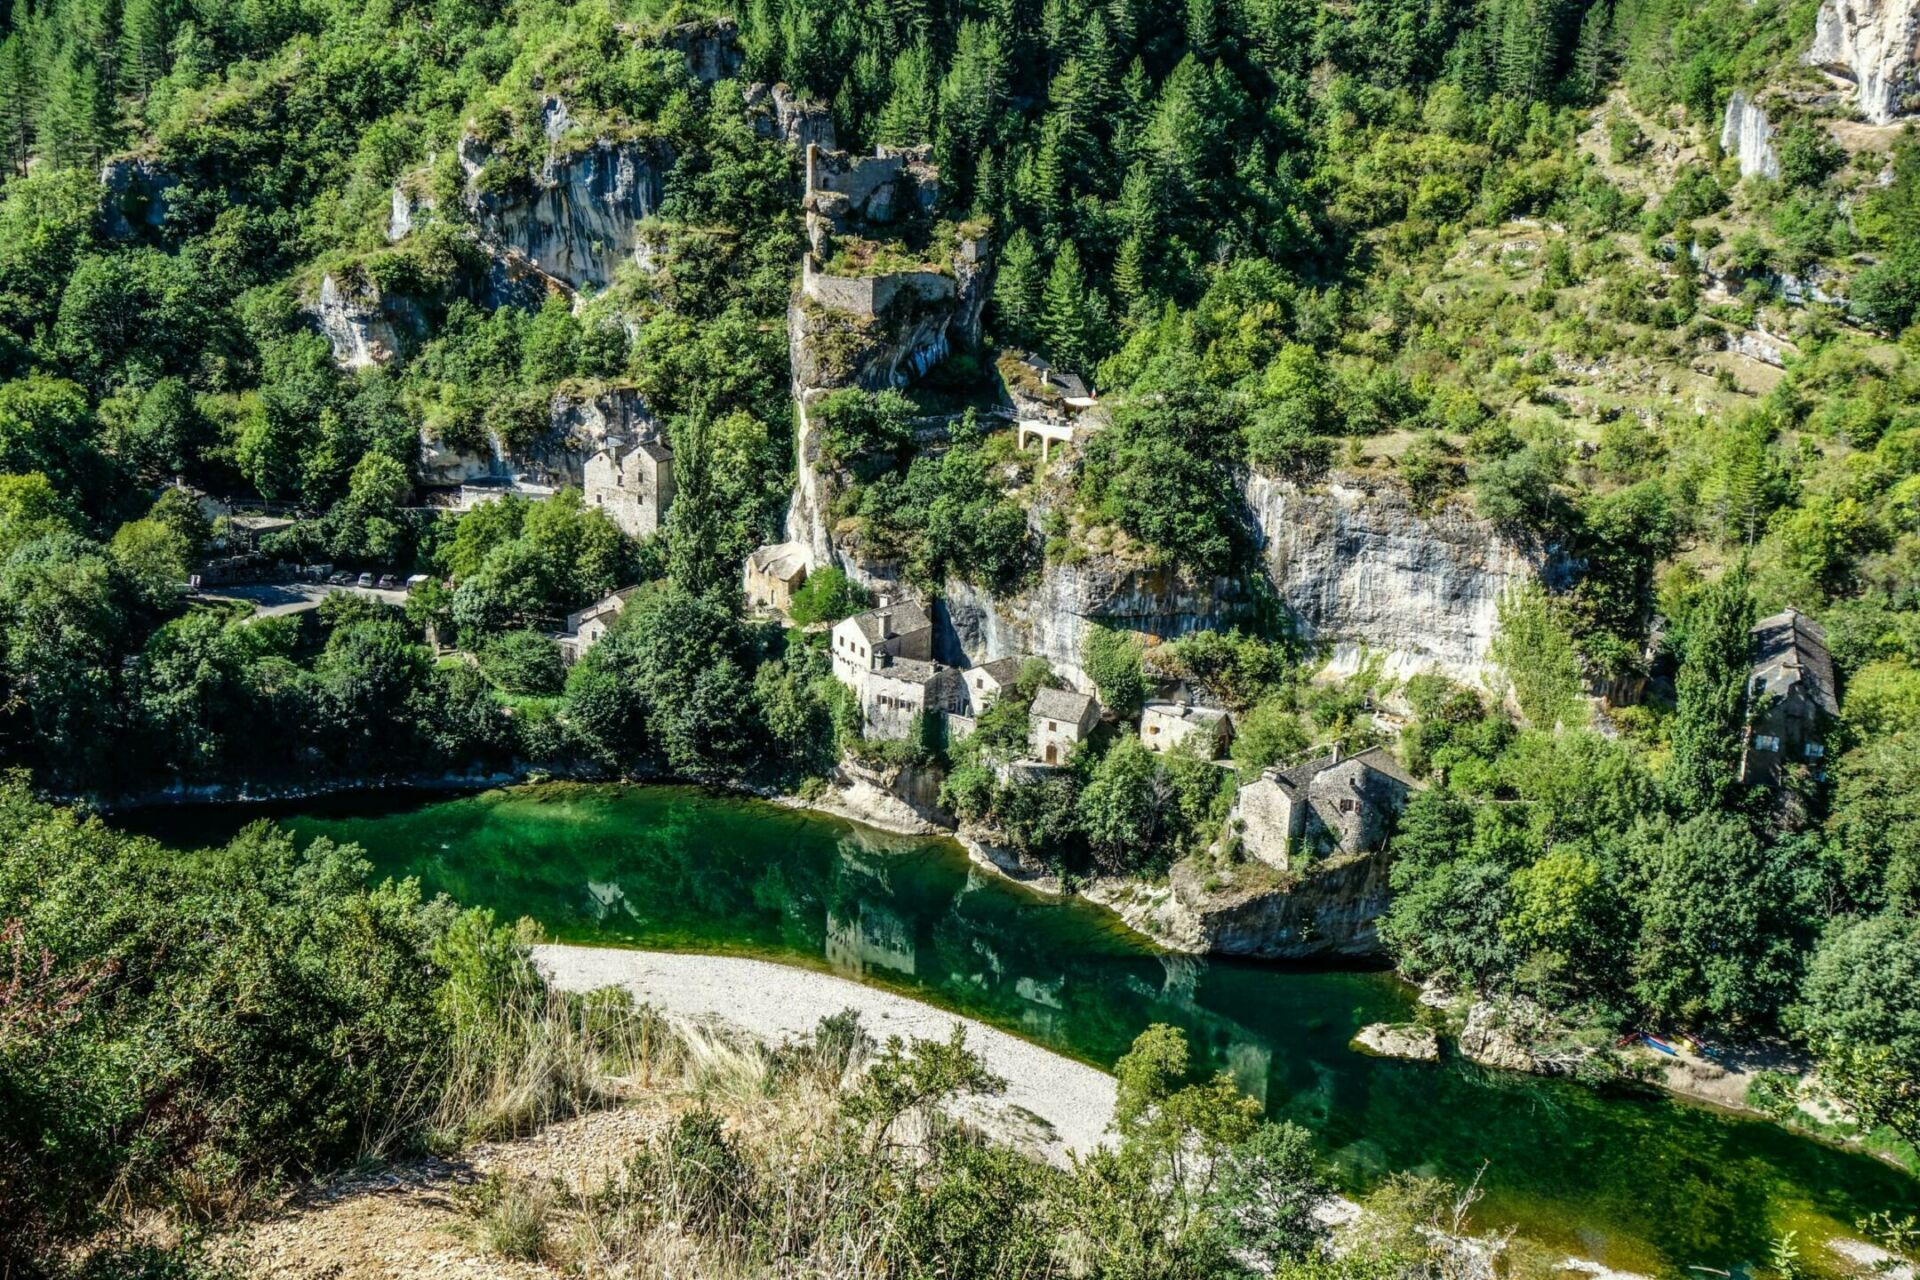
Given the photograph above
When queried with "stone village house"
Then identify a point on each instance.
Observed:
(586, 627)
(885, 656)
(1058, 721)
(1346, 803)
(1791, 697)
(633, 484)
(774, 572)
(1165, 725)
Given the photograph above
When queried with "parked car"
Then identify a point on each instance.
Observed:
(389, 583)
(366, 579)
(340, 579)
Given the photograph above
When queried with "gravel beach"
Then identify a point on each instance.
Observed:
(1052, 1103)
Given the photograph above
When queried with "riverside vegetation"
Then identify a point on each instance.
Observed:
(223, 1025)
(1491, 254)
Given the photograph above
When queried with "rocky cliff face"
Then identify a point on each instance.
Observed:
(1874, 44)
(575, 216)
(1333, 909)
(580, 422)
(780, 113)
(134, 196)
(1052, 618)
(1366, 575)
(1747, 135)
(364, 326)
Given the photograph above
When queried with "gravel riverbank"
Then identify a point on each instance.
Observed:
(1051, 1103)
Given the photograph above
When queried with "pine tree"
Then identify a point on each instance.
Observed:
(988, 195)
(1589, 73)
(1203, 25)
(143, 44)
(1016, 290)
(72, 128)
(907, 119)
(1130, 276)
(1529, 47)
(1067, 321)
(16, 102)
(1710, 694)
(1131, 110)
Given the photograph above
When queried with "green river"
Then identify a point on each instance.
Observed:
(1638, 1182)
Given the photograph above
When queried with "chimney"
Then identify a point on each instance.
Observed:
(1336, 756)
(885, 618)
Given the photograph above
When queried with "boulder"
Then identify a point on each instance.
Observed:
(134, 196)
(1399, 1040)
(1499, 1033)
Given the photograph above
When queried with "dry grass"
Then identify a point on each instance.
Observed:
(550, 1056)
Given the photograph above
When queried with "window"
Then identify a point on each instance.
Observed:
(1765, 742)
(1346, 805)
(1815, 750)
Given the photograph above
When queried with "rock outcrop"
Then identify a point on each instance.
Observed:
(800, 122)
(1331, 909)
(1398, 1040)
(1874, 45)
(1747, 135)
(881, 301)
(365, 326)
(580, 424)
(134, 196)
(711, 48)
(1052, 618)
(576, 215)
(1366, 575)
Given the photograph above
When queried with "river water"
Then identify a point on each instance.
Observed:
(1638, 1182)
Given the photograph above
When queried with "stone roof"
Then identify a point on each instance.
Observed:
(1062, 704)
(906, 617)
(911, 670)
(657, 451)
(783, 560)
(1002, 671)
(1187, 711)
(1791, 649)
(1379, 759)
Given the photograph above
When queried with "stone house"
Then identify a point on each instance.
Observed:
(868, 641)
(1058, 721)
(895, 695)
(774, 573)
(1791, 697)
(986, 682)
(885, 656)
(633, 484)
(587, 627)
(1338, 802)
(1165, 725)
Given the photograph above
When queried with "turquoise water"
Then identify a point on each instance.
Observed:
(1638, 1182)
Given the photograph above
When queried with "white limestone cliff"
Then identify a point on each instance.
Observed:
(1875, 45)
(1747, 135)
(1366, 576)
